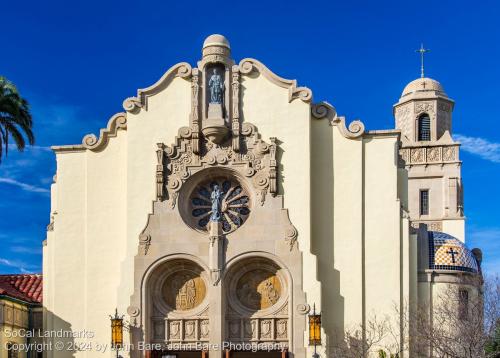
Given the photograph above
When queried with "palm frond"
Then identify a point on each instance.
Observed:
(15, 118)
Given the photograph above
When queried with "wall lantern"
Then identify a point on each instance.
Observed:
(116, 331)
(314, 328)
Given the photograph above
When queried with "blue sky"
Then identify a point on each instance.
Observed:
(76, 62)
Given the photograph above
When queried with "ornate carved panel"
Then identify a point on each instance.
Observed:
(431, 225)
(421, 107)
(184, 290)
(449, 154)
(417, 155)
(429, 154)
(434, 154)
(258, 289)
(256, 161)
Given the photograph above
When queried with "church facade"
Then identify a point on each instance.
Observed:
(225, 205)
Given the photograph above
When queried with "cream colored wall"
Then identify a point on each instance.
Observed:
(367, 240)
(455, 227)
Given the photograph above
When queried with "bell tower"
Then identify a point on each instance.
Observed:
(424, 116)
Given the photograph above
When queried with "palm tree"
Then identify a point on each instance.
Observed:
(15, 118)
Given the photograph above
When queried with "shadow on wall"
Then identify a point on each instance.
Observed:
(322, 239)
(62, 342)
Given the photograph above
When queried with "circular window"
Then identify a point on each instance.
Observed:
(234, 203)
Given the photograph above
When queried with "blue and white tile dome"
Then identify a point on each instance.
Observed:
(448, 253)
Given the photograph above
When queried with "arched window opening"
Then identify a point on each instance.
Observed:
(424, 127)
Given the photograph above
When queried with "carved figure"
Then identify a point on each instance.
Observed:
(186, 293)
(271, 293)
(216, 86)
(216, 198)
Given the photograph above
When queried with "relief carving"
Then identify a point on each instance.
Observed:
(204, 329)
(258, 289)
(431, 225)
(433, 154)
(417, 155)
(449, 154)
(174, 330)
(266, 328)
(424, 107)
(190, 329)
(144, 242)
(184, 290)
(281, 329)
(235, 126)
(256, 160)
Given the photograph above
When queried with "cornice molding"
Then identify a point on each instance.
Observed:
(134, 104)
(118, 121)
(248, 65)
(322, 110)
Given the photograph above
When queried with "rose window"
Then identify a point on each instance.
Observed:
(234, 204)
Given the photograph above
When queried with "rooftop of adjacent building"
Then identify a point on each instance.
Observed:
(23, 287)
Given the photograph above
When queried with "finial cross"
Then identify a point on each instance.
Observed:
(422, 51)
(452, 253)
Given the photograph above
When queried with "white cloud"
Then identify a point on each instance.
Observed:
(20, 265)
(481, 147)
(27, 249)
(25, 186)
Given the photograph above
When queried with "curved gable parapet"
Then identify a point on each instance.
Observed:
(133, 104)
(322, 110)
(118, 121)
(247, 65)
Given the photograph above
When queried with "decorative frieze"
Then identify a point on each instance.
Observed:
(431, 225)
(272, 329)
(429, 155)
(421, 107)
(182, 330)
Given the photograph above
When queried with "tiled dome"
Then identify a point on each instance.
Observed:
(448, 253)
(424, 84)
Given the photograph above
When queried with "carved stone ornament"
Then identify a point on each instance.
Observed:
(256, 161)
(258, 289)
(322, 110)
(424, 107)
(144, 242)
(303, 308)
(290, 232)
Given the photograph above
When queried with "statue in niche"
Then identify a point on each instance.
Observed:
(216, 198)
(216, 86)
